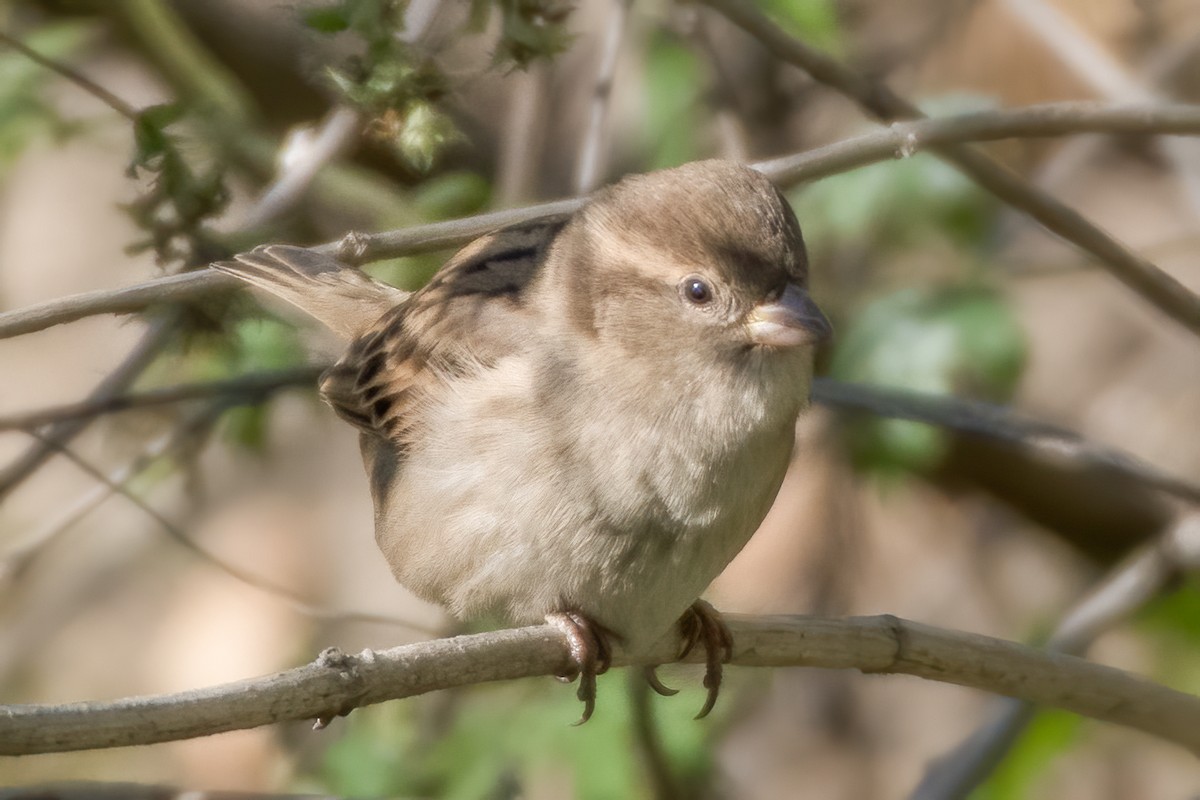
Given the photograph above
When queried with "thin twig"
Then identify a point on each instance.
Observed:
(1125, 589)
(116, 382)
(1054, 119)
(242, 390)
(1155, 286)
(251, 579)
(82, 81)
(1106, 76)
(591, 155)
(301, 157)
(905, 139)
(17, 560)
(337, 683)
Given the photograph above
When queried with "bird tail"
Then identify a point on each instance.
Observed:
(347, 301)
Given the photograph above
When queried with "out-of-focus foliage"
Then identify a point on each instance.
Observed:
(397, 86)
(489, 741)
(1174, 622)
(895, 205)
(181, 197)
(814, 21)
(401, 88)
(1049, 735)
(961, 340)
(946, 331)
(530, 29)
(25, 115)
(673, 83)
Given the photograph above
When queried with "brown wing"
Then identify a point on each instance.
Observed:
(471, 313)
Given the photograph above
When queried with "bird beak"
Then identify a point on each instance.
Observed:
(791, 320)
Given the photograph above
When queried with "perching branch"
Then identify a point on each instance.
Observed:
(1155, 286)
(336, 683)
(901, 140)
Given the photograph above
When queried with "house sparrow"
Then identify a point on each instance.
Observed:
(581, 420)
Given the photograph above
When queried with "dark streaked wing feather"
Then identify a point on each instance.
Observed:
(472, 312)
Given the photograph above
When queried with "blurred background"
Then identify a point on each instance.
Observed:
(189, 130)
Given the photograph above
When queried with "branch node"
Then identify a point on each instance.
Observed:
(346, 667)
(899, 633)
(352, 248)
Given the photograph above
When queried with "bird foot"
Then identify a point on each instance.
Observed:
(591, 655)
(702, 624)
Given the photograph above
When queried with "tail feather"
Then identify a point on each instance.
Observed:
(347, 301)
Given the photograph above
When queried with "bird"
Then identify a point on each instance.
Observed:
(581, 419)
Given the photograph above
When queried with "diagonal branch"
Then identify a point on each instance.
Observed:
(148, 348)
(336, 683)
(1133, 583)
(1140, 275)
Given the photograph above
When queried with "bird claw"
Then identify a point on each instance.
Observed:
(591, 655)
(658, 686)
(702, 624)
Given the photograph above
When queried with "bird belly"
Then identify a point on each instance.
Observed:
(499, 521)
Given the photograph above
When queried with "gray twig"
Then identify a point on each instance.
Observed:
(116, 382)
(591, 156)
(245, 389)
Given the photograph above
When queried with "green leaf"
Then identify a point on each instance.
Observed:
(814, 21)
(150, 136)
(326, 19)
(494, 738)
(424, 134)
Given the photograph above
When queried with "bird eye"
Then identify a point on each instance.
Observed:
(696, 290)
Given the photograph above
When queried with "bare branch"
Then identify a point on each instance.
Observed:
(304, 152)
(1155, 286)
(997, 422)
(82, 81)
(905, 139)
(1055, 119)
(591, 157)
(336, 683)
